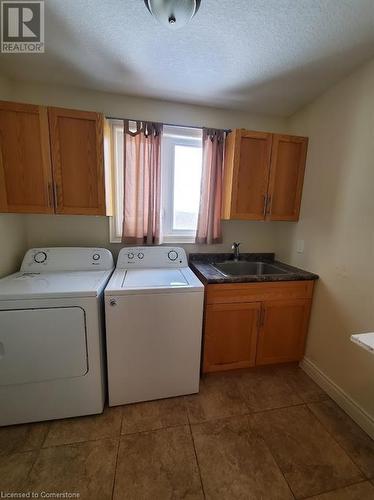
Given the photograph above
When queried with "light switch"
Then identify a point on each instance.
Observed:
(300, 246)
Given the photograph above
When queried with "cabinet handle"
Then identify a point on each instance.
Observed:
(265, 196)
(50, 194)
(268, 205)
(56, 194)
(263, 316)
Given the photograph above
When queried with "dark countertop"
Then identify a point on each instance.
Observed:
(201, 264)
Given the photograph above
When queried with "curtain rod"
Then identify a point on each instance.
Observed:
(227, 130)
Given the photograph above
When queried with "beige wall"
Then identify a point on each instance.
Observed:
(12, 227)
(148, 109)
(59, 230)
(12, 242)
(337, 225)
(5, 88)
(72, 230)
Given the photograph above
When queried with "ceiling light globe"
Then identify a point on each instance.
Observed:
(173, 13)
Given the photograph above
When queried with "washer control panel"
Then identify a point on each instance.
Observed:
(40, 257)
(67, 259)
(151, 257)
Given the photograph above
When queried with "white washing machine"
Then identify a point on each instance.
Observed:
(51, 335)
(154, 313)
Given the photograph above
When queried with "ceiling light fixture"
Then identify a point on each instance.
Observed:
(173, 13)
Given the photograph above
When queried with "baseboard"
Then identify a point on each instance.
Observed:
(349, 405)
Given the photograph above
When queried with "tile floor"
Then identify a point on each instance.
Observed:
(258, 434)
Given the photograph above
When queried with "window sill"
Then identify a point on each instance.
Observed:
(179, 239)
(171, 238)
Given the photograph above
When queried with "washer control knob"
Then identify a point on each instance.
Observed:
(130, 255)
(140, 255)
(113, 302)
(40, 257)
(96, 256)
(173, 255)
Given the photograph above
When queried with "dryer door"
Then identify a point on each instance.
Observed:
(42, 344)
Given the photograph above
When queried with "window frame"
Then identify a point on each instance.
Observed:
(116, 130)
(175, 136)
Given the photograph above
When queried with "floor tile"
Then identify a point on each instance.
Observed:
(20, 438)
(309, 457)
(84, 468)
(358, 445)
(14, 470)
(235, 463)
(262, 389)
(218, 397)
(301, 383)
(360, 491)
(79, 429)
(153, 415)
(157, 465)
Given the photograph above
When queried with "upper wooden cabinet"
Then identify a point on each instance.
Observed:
(77, 159)
(246, 173)
(25, 164)
(287, 168)
(51, 160)
(263, 176)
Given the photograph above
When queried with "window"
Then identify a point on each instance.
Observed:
(115, 153)
(181, 163)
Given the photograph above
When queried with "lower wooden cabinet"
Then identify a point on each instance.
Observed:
(282, 332)
(230, 336)
(255, 324)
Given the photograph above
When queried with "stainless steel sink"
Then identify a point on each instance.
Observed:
(245, 268)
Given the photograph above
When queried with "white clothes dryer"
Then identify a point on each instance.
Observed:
(51, 335)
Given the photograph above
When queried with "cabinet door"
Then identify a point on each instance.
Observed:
(230, 336)
(286, 177)
(283, 330)
(250, 175)
(25, 167)
(77, 159)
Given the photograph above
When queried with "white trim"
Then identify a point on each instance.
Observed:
(172, 137)
(117, 181)
(113, 237)
(349, 405)
(179, 239)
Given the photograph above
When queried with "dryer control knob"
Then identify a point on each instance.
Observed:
(140, 255)
(40, 257)
(173, 255)
(130, 255)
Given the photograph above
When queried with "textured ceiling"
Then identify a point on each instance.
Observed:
(269, 56)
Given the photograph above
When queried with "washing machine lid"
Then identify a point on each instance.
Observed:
(26, 285)
(153, 278)
(125, 281)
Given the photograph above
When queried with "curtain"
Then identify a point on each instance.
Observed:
(142, 183)
(209, 219)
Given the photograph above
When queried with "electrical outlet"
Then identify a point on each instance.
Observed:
(300, 246)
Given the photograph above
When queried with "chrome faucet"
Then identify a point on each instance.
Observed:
(236, 251)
